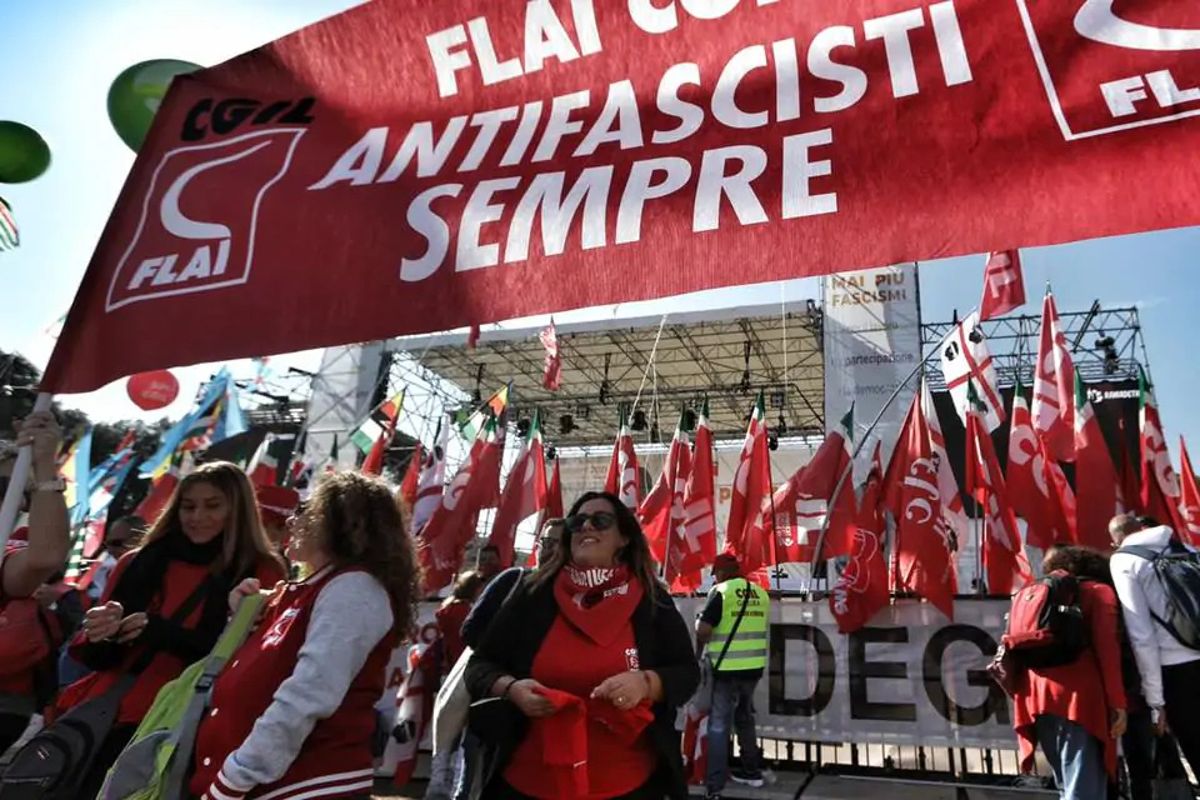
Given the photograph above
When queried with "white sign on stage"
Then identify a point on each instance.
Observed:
(872, 343)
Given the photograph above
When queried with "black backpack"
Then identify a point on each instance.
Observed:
(1046, 627)
(1178, 572)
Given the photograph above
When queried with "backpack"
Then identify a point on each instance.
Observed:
(1046, 627)
(1178, 571)
(153, 766)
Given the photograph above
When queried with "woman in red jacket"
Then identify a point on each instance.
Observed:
(293, 713)
(166, 604)
(1076, 711)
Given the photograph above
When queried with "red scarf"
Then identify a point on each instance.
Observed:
(598, 601)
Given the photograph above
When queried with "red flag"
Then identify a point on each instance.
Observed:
(1003, 284)
(862, 588)
(624, 478)
(373, 463)
(412, 477)
(797, 512)
(1053, 409)
(744, 535)
(524, 494)
(661, 513)
(475, 486)
(924, 541)
(1004, 563)
(263, 468)
(554, 499)
(414, 713)
(468, 178)
(1095, 476)
(1129, 494)
(161, 489)
(1160, 485)
(1189, 497)
(552, 368)
(699, 545)
(1034, 493)
(431, 483)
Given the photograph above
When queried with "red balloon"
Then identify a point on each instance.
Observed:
(153, 390)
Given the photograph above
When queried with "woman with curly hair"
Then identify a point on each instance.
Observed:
(293, 714)
(589, 661)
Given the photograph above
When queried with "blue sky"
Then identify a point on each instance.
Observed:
(59, 57)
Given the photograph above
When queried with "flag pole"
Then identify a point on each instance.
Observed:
(20, 476)
(849, 470)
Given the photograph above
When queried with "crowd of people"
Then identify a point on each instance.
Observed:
(576, 666)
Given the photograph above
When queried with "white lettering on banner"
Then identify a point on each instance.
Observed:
(581, 124)
(908, 678)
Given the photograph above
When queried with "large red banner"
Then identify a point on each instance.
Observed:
(410, 166)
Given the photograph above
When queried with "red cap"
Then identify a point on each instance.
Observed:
(276, 503)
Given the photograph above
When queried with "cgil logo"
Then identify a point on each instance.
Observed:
(1131, 64)
(197, 228)
(226, 116)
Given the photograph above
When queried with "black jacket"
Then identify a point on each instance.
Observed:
(664, 645)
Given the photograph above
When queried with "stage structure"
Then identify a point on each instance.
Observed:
(651, 367)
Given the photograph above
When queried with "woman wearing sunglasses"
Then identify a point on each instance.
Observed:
(594, 657)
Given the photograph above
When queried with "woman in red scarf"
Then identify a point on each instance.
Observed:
(594, 659)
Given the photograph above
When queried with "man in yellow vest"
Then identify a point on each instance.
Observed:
(733, 628)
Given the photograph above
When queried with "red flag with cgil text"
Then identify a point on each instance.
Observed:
(1033, 490)
(1003, 284)
(1189, 498)
(744, 536)
(1005, 566)
(525, 493)
(924, 541)
(661, 512)
(1053, 406)
(1095, 476)
(1160, 484)
(698, 547)
(624, 476)
(474, 487)
(862, 588)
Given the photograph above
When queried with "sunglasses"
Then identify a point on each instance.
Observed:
(601, 520)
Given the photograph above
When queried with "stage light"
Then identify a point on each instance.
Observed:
(566, 423)
(1112, 360)
(638, 423)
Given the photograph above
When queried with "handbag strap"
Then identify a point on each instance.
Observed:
(190, 603)
(736, 624)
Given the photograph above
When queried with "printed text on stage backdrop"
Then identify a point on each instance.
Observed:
(411, 166)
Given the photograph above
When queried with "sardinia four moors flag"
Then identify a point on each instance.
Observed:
(966, 359)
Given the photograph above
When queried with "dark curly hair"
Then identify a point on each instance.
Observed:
(1082, 562)
(636, 554)
(357, 521)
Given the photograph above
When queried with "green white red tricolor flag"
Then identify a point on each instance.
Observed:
(1095, 476)
(525, 493)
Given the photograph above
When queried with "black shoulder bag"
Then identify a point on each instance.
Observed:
(55, 762)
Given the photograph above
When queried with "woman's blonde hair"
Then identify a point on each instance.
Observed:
(245, 543)
(356, 521)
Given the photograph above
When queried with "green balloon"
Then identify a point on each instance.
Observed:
(135, 95)
(24, 154)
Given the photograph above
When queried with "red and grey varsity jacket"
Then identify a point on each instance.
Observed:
(293, 713)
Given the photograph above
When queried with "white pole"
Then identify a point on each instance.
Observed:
(20, 476)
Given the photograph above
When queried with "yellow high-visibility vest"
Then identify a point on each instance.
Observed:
(748, 647)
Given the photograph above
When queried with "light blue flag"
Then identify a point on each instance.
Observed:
(177, 433)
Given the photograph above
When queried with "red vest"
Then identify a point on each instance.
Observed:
(337, 753)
